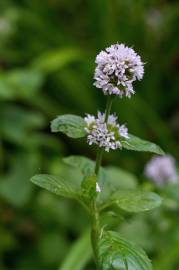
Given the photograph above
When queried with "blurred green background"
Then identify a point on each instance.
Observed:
(47, 53)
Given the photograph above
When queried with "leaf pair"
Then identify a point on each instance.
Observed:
(73, 126)
(114, 252)
(83, 190)
(112, 195)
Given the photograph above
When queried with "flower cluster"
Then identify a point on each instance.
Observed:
(161, 170)
(107, 134)
(117, 68)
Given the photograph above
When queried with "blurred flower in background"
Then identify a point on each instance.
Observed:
(162, 170)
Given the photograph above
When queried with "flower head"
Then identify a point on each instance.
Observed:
(117, 68)
(161, 170)
(107, 135)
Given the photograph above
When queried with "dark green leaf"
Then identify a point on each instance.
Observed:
(59, 186)
(54, 184)
(119, 254)
(134, 201)
(136, 144)
(71, 125)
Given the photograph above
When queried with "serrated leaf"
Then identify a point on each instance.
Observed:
(134, 201)
(136, 144)
(54, 184)
(71, 125)
(115, 252)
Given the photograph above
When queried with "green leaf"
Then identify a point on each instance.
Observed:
(134, 201)
(59, 186)
(72, 125)
(79, 254)
(136, 144)
(119, 254)
(85, 165)
(54, 184)
(114, 179)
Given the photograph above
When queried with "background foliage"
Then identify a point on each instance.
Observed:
(47, 53)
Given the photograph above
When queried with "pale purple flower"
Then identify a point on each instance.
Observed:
(117, 68)
(107, 135)
(161, 170)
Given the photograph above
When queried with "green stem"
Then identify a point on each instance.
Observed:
(95, 231)
(100, 150)
(108, 107)
(98, 160)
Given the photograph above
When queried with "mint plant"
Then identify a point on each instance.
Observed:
(117, 67)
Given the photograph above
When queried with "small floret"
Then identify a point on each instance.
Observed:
(107, 135)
